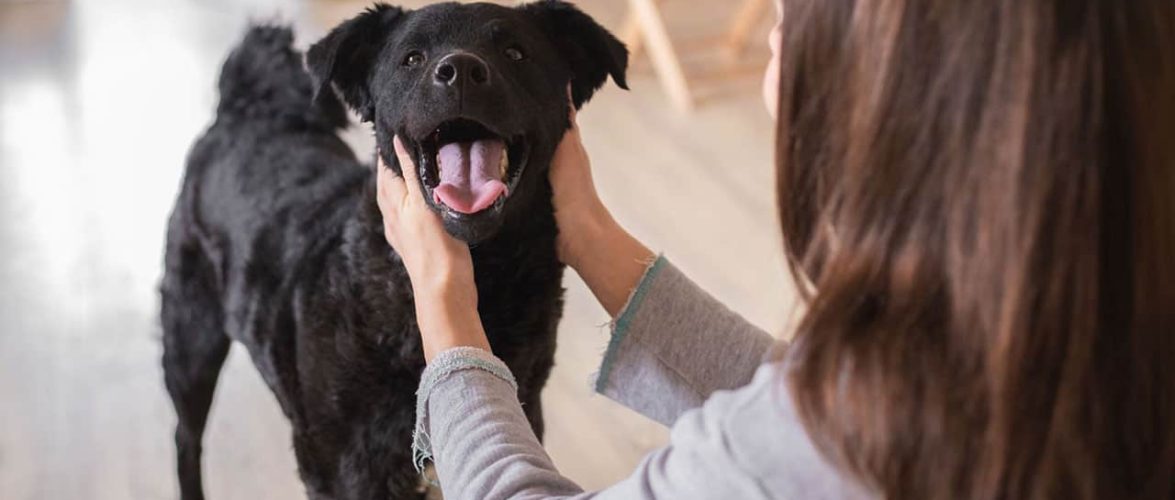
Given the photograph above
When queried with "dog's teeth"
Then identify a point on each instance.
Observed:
(504, 165)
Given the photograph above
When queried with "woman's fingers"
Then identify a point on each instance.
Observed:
(391, 192)
(402, 152)
(390, 196)
(571, 139)
(571, 113)
(407, 169)
(389, 187)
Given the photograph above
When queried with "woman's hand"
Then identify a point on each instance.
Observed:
(580, 214)
(435, 260)
(608, 259)
(439, 265)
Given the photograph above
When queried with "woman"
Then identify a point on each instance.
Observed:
(979, 199)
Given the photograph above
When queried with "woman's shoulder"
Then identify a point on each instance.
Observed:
(757, 429)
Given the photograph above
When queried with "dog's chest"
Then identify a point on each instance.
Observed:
(520, 303)
(523, 305)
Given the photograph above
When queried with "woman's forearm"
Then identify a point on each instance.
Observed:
(609, 259)
(447, 317)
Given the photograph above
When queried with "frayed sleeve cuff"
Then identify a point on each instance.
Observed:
(673, 345)
(622, 323)
(444, 364)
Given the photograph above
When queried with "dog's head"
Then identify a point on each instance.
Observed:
(477, 93)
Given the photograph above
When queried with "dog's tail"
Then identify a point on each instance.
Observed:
(264, 79)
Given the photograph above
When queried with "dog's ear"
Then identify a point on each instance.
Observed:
(346, 56)
(591, 52)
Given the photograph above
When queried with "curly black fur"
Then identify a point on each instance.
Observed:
(276, 242)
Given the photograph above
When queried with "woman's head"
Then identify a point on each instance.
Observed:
(979, 198)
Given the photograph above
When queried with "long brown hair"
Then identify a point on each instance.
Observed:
(978, 197)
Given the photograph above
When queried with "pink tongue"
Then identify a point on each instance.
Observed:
(469, 175)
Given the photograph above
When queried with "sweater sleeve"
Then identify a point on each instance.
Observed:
(745, 444)
(673, 345)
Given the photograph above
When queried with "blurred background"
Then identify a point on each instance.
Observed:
(100, 101)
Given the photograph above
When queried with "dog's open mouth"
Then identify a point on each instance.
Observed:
(467, 168)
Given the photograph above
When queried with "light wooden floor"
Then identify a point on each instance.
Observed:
(99, 101)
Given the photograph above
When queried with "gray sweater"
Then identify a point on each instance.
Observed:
(677, 356)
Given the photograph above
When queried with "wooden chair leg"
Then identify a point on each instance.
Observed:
(745, 20)
(660, 47)
(630, 33)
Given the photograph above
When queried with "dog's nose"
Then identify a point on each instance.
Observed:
(461, 68)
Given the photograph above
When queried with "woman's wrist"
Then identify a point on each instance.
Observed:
(449, 320)
(443, 277)
(582, 234)
(446, 312)
(609, 259)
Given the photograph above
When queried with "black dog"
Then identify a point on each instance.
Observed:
(276, 241)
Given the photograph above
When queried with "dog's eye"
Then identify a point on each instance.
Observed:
(413, 59)
(515, 54)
